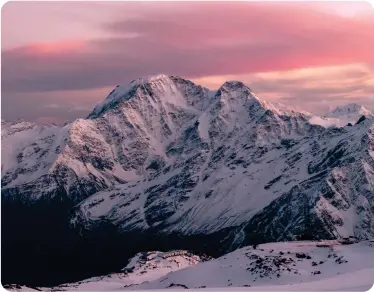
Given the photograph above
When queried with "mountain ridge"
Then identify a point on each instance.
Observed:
(170, 160)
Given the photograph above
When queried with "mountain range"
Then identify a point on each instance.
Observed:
(165, 163)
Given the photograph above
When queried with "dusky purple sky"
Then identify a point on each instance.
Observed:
(61, 58)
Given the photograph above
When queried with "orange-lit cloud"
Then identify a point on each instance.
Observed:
(55, 48)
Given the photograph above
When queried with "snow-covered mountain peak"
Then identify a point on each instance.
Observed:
(116, 95)
(164, 156)
(234, 86)
(158, 89)
(128, 91)
(343, 115)
(152, 78)
(236, 94)
(183, 93)
(349, 109)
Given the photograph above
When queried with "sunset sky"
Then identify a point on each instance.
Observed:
(59, 59)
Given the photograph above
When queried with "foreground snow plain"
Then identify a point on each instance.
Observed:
(282, 266)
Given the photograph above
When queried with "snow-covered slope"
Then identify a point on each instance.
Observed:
(144, 267)
(272, 265)
(342, 115)
(350, 111)
(239, 164)
(165, 156)
(123, 139)
(286, 266)
(215, 146)
(178, 157)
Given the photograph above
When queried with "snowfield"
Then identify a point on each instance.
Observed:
(282, 266)
(286, 263)
(142, 268)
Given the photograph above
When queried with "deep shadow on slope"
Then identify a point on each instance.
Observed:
(39, 248)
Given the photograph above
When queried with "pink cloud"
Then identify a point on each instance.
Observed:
(202, 39)
(55, 48)
(192, 40)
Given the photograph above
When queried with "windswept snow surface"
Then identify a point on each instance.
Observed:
(285, 266)
(271, 266)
